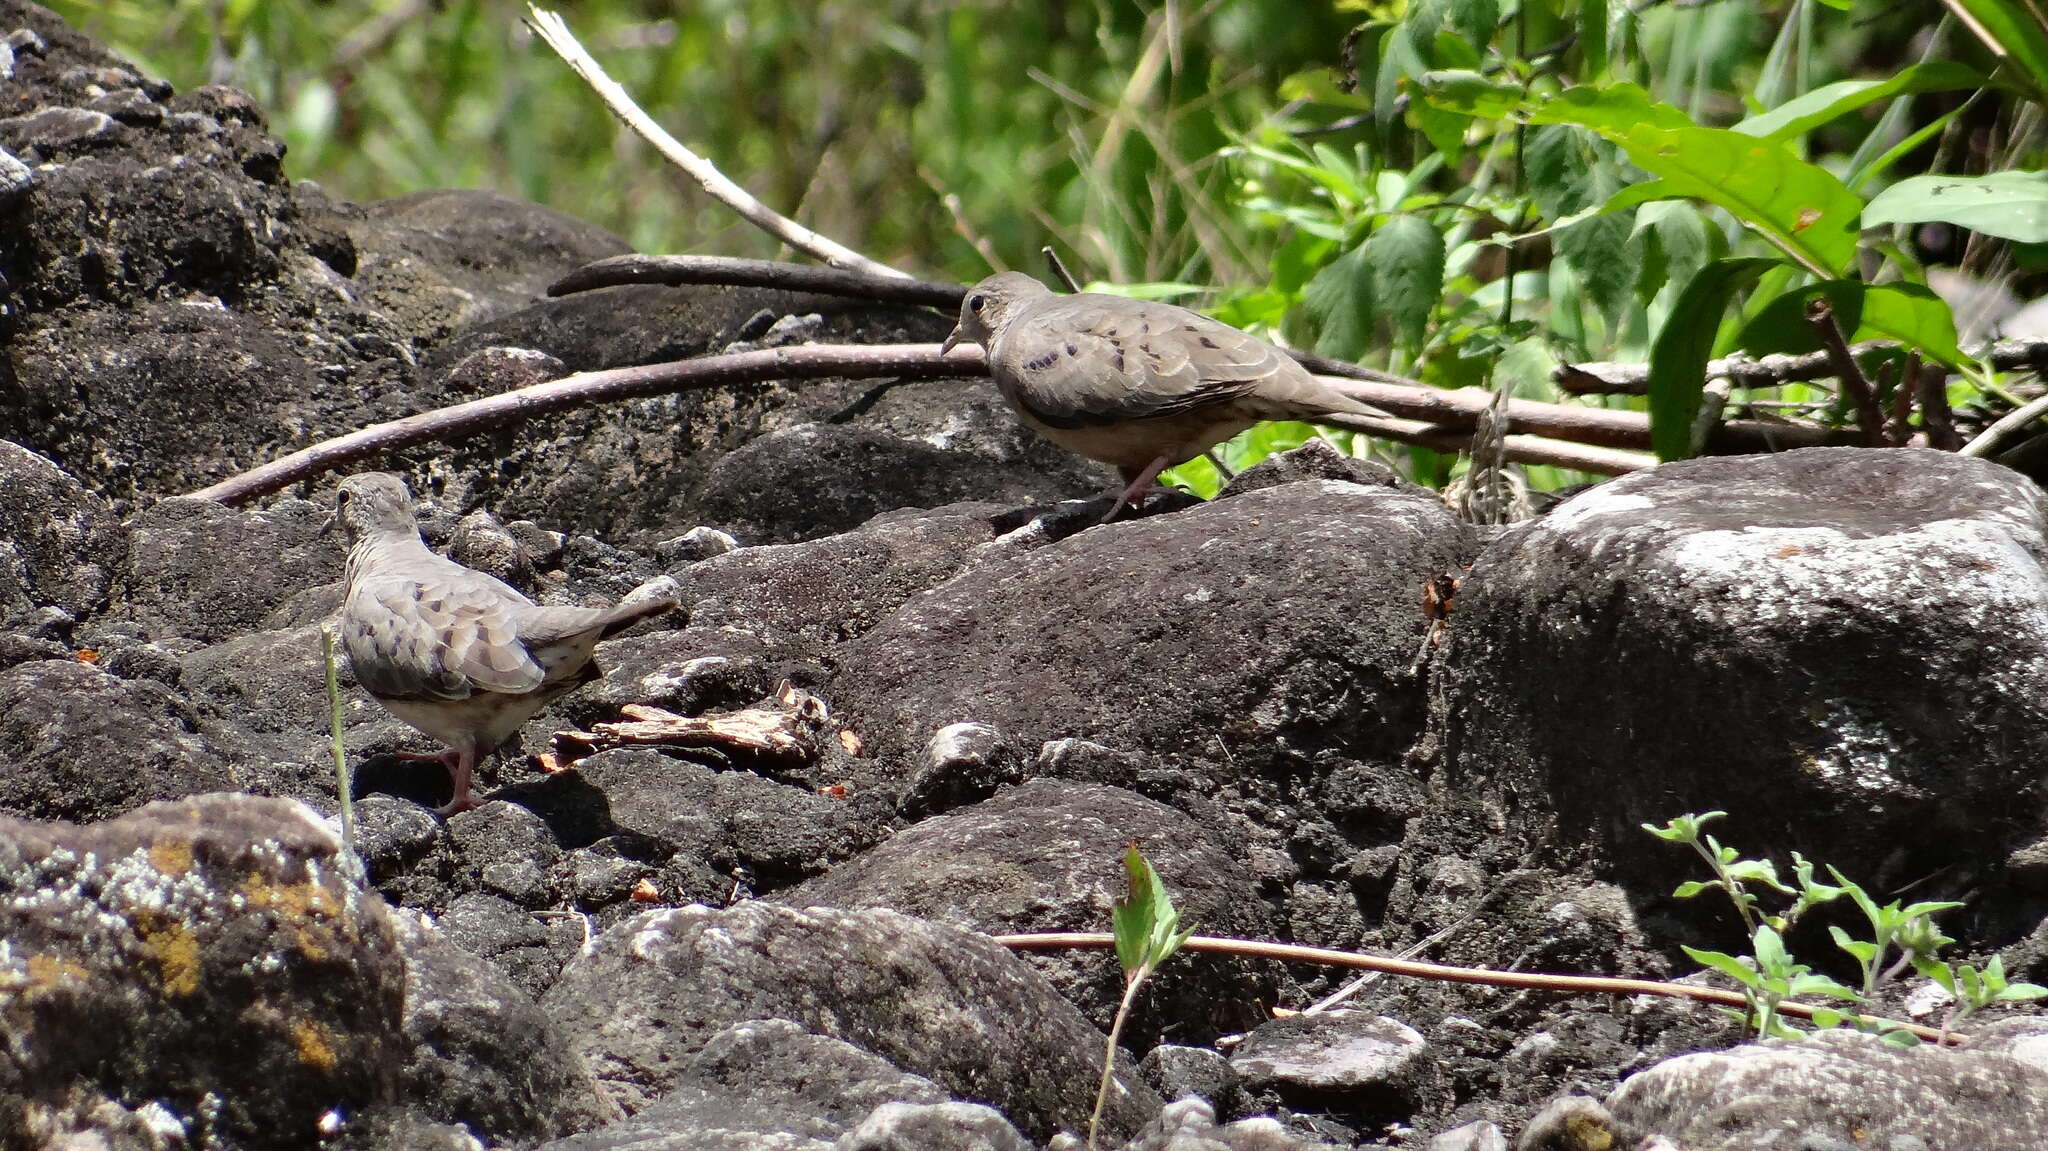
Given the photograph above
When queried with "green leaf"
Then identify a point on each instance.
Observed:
(1906, 313)
(1470, 93)
(1769, 948)
(2011, 205)
(1406, 256)
(1822, 985)
(1593, 39)
(1340, 300)
(1146, 926)
(1693, 887)
(2014, 34)
(1802, 114)
(1863, 951)
(1675, 244)
(1679, 355)
(2016, 992)
(1826, 1017)
(1724, 963)
(1798, 206)
(1608, 109)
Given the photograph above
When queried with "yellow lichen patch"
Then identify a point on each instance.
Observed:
(49, 971)
(315, 1044)
(174, 858)
(175, 951)
(300, 906)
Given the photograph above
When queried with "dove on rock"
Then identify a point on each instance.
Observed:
(455, 653)
(1135, 384)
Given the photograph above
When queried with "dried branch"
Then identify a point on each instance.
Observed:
(1059, 269)
(1935, 417)
(1820, 316)
(552, 29)
(2011, 422)
(1771, 371)
(1529, 980)
(732, 271)
(801, 362)
(1520, 449)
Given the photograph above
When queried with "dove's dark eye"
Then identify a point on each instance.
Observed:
(976, 303)
(341, 498)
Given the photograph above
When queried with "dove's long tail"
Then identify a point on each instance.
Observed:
(623, 615)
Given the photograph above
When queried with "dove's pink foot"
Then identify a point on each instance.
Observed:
(1138, 488)
(461, 765)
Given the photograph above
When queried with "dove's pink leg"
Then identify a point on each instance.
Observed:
(461, 765)
(1139, 486)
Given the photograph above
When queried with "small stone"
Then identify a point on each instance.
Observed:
(963, 763)
(1201, 1072)
(1480, 1136)
(1372, 1059)
(52, 130)
(699, 543)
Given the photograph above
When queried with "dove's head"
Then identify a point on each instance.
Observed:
(988, 307)
(373, 502)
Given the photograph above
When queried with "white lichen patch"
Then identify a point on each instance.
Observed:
(1979, 569)
(1592, 505)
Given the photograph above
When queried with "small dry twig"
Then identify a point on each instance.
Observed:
(1820, 316)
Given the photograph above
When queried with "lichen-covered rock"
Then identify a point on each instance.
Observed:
(1837, 1085)
(934, 1001)
(210, 956)
(933, 1127)
(1846, 649)
(1048, 856)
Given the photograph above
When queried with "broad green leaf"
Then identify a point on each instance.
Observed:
(1318, 86)
(2011, 205)
(2018, 992)
(1675, 243)
(1679, 355)
(2013, 33)
(1608, 109)
(1826, 1017)
(1340, 300)
(1904, 313)
(1406, 256)
(1802, 114)
(1798, 206)
(1471, 20)
(1470, 93)
(1692, 887)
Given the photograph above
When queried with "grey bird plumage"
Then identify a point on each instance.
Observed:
(1135, 384)
(457, 654)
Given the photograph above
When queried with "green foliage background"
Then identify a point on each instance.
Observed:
(1469, 192)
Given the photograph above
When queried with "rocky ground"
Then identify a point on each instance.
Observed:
(788, 947)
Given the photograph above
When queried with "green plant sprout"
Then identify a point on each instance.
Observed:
(1148, 932)
(1769, 975)
(348, 810)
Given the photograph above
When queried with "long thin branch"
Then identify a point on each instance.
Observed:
(1535, 981)
(1519, 448)
(1596, 378)
(552, 29)
(800, 362)
(734, 271)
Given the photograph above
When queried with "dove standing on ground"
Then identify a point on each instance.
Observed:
(1136, 384)
(455, 653)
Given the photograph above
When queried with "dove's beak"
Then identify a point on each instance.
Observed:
(952, 338)
(331, 524)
